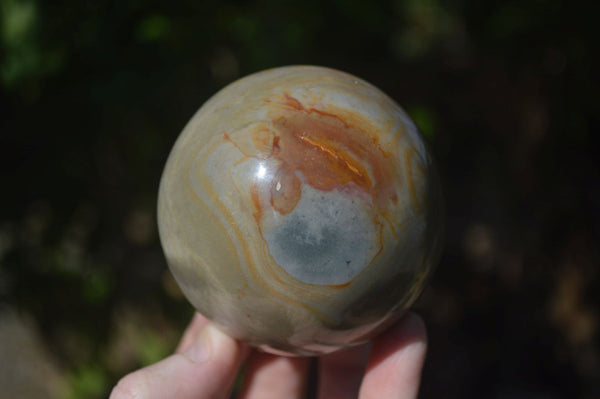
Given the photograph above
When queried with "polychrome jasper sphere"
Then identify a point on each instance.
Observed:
(300, 210)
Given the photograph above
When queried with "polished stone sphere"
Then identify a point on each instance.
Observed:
(300, 210)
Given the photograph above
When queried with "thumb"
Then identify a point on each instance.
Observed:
(207, 368)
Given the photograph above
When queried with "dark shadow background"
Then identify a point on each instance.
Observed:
(94, 94)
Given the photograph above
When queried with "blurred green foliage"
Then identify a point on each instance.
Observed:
(94, 93)
(153, 27)
(87, 382)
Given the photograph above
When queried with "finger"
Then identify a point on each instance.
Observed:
(340, 373)
(268, 376)
(192, 331)
(396, 361)
(207, 368)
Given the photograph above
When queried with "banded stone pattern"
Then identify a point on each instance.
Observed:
(300, 211)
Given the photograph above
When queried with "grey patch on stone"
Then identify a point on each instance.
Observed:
(328, 239)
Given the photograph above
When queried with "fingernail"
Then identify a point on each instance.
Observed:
(202, 349)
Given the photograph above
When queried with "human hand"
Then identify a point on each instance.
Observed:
(206, 363)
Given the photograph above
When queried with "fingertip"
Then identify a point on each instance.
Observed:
(396, 361)
(219, 342)
(192, 331)
(128, 387)
(410, 329)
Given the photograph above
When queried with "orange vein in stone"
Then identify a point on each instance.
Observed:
(346, 160)
(329, 151)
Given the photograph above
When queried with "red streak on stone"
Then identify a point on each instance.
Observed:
(256, 201)
(330, 150)
(326, 149)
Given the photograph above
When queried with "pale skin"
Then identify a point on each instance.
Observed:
(207, 361)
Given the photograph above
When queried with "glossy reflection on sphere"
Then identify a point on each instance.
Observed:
(299, 210)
